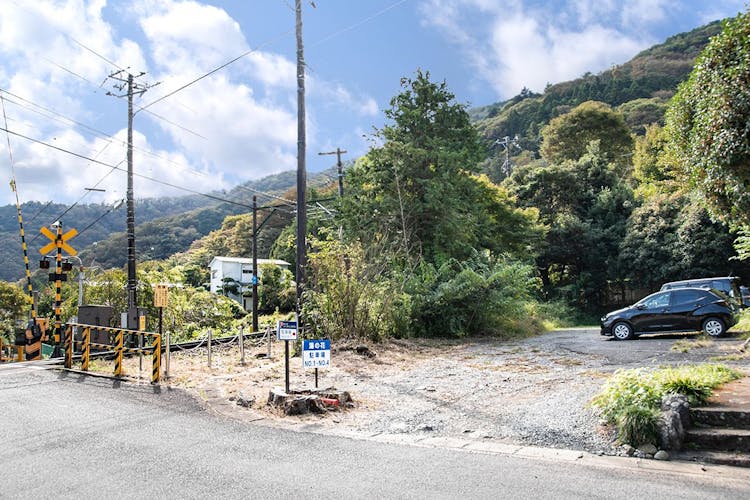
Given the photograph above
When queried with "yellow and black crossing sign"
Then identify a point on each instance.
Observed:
(52, 245)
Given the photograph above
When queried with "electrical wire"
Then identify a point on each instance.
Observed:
(164, 183)
(219, 68)
(52, 114)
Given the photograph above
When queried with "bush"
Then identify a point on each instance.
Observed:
(629, 395)
(346, 296)
(482, 296)
(277, 290)
(637, 425)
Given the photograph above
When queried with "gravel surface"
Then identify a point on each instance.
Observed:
(533, 391)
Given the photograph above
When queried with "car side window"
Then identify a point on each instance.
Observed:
(686, 296)
(659, 300)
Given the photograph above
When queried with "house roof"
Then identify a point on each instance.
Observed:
(245, 260)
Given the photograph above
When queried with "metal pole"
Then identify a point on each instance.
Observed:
(286, 366)
(268, 336)
(80, 285)
(168, 342)
(255, 264)
(340, 172)
(58, 292)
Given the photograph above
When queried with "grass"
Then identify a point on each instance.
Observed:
(631, 399)
(686, 345)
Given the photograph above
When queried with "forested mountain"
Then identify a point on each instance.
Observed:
(639, 88)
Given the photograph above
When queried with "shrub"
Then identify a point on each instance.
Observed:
(637, 425)
(477, 297)
(346, 296)
(629, 395)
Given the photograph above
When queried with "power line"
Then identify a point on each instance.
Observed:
(152, 179)
(359, 23)
(62, 118)
(219, 68)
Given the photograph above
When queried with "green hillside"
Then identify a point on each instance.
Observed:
(639, 88)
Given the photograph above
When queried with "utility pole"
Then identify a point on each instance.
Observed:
(301, 173)
(507, 143)
(255, 263)
(338, 154)
(130, 88)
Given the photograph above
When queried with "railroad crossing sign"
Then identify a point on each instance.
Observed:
(52, 245)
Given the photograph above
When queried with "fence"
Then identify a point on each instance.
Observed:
(118, 347)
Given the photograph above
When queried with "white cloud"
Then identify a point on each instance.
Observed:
(635, 13)
(530, 47)
(237, 124)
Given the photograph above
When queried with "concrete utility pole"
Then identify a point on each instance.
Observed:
(130, 88)
(338, 154)
(301, 173)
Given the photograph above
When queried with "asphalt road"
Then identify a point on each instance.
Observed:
(66, 435)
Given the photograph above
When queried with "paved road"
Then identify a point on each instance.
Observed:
(73, 436)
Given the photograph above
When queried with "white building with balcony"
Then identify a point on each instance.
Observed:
(237, 272)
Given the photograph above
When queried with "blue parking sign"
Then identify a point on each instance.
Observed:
(316, 353)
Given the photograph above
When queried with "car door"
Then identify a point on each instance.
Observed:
(684, 303)
(653, 313)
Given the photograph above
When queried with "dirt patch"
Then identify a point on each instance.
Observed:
(484, 390)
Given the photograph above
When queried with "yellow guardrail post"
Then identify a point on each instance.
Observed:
(156, 361)
(85, 350)
(118, 353)
(68, 347)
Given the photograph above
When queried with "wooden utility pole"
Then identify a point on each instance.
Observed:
(338, 154)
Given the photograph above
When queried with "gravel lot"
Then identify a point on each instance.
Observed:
(532, 391)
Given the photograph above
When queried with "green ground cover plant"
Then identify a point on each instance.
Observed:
(630, 399)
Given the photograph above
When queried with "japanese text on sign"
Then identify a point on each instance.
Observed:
(316, 354)
(286, 330)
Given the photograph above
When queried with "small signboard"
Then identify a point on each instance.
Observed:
(316, 354)
(161, 295)
(286, 330)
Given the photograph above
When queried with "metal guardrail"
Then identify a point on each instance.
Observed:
(119, 348)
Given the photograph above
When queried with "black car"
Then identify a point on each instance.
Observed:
(676, 310)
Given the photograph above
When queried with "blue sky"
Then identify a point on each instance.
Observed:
(240, 123)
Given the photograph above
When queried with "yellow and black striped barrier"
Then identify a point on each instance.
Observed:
(118, 346)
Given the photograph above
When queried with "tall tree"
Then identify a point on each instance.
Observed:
(567, 137)
(585, 203)
(708, 123)
(417, 194)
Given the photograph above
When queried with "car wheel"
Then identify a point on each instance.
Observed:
(714, 327)
(622, 331)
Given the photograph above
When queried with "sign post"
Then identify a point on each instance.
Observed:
(286, 331)
(161, 300)
(59, 242)
(316, 354)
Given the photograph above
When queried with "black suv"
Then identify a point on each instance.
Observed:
(678, 310)
(730, 285)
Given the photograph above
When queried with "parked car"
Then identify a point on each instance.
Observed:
(676, 310)
(745, 291)
(730, 285)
